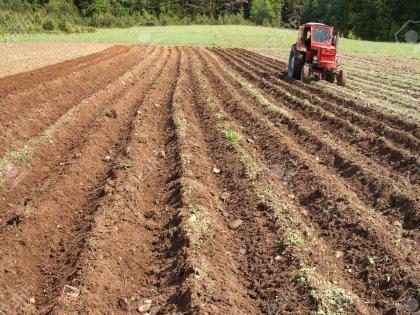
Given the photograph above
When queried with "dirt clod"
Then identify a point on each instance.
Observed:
(144, 306)
(123, 304)
(70, 292)
(224, 213)
(111, 113)
(224, 196)
(339, 254)
(235, 224)
(192, 218)
(262, 206)
(161, 154)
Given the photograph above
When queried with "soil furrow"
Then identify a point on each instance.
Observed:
(204, 282)
(383, 78)
(333, 209)
(398, 138)
(118, 263)
(19, 82)
(291, 254)
(380, 78)
(396, 91)
(32, 169)
(410, 115)
(386, 153)
(390, 193)
(342, 165)
(50, 233)
(397, 84)
(280, 69)
(399, 159)
(24, 115)
(397, 99)
(256, 237)
(406, 71)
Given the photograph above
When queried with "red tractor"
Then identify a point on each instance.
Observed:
(314, 56)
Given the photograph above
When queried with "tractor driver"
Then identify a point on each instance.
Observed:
(308, 39)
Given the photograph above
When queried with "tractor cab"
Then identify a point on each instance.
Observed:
(315, 54)
(314, 35)
(317, 41)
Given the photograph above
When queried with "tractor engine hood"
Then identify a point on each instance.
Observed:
(324, 56)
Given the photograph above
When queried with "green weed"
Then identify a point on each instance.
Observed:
(330, 299)
(233, 137)
(196, 224)
(124, 165)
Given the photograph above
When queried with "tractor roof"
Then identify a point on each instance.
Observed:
(314, 24)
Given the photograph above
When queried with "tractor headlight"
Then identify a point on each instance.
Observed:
(338, 60)
(315, 58)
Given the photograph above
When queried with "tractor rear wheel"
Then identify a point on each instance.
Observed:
(342, 78)
(295, 63)
(305, 75)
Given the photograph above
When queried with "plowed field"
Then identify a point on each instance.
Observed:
(178, 180)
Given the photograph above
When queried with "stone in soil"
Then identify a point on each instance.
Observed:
(225, 196)
(144, 306)
(161, 154)
(123, 304)
(235, 224)
(112, 113)
(71, 292)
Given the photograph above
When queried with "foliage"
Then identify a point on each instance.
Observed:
(368, 19)
(18, 17)
(98, 7)
(262, 10)
(233, 137)
(48, 25)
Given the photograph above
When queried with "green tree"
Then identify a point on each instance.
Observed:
(98, 7)
(367, 19)
(277, 7)
(262, 11)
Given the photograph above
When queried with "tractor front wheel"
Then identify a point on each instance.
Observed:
(305, 75)
(342, 78)
(295, 63)
(330, 77)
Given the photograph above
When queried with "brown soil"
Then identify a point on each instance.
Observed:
(384, 84)
(190, 181)
(20, 57)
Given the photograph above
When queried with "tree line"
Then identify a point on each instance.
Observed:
(366, 19)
